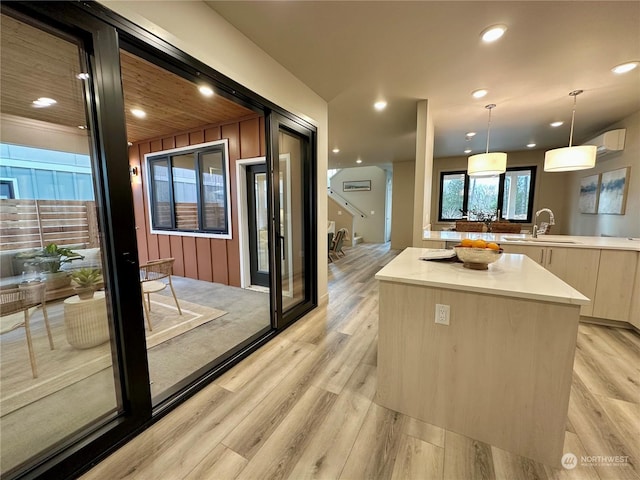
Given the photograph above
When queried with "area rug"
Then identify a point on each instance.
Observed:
(66, 365)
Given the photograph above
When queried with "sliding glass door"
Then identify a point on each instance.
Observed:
(79, 374)
(60, 367)
(294, 229)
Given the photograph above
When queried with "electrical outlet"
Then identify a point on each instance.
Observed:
(442, 314)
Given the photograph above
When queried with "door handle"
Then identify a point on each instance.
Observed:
(282, 249)
(550, 255)
(128, 258)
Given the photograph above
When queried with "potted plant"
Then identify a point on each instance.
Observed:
(86, 281)
(49, 259)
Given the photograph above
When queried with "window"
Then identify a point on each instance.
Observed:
(510, 193)
(189, 190)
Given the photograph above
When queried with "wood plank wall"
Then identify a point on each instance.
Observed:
(36, 223)
(208, 259)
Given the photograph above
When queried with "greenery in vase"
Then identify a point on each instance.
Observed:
(86, 277)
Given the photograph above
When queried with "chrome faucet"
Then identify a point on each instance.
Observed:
(552, 220)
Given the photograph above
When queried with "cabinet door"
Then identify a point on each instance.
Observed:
(433, 243)
(634, 315)
(537, 254)
(578, 267)
(614, 289)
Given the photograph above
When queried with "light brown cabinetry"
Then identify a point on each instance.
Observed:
(576, 266)
(634, 315)
(615, 287)
(433, 244)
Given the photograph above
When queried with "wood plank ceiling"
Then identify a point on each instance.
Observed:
(37, 64)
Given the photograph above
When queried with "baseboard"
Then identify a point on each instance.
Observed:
(608, 323)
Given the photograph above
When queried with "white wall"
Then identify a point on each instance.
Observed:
(402, 205)
(371, 228)
(550, 188)
(627, 225)
(194, 27)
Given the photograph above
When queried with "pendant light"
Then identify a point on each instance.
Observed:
(570, 158)
(487, 164)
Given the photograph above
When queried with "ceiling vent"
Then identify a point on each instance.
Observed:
(609, 142)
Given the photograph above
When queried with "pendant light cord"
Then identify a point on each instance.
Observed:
(573, 117)
(573, 94)
(489, 107)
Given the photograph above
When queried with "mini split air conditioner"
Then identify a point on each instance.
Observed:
(609, 142)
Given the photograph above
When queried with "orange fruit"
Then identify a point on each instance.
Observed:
(466, 242)
(493, 246)
(479, 244)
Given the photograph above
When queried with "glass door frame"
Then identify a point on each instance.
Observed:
(106, 122)
(275, 122)
(255, 273)
(104, 32)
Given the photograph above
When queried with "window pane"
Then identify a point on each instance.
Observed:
(452, 195)
(160, 193)
(185, 194)
(483, 196)
(517, 190)
(213, 190)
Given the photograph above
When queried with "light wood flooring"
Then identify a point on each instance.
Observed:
(304, 406)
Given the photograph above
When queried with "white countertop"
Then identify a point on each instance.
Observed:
(605, 243)
(511, 276)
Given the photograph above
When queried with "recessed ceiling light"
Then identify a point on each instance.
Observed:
(470, 134)
(468, 150)
(82, 76)
(336, 150)
(205, 90)
(358, 161)
(43, 102)
(129, 144)
(136, 112)
(625, 67)
(556, 124)
(493, 33)
(479, 93)
(82, 127)
(531, 145)
(381, 105)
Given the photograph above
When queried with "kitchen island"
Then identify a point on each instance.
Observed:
(500, 371)
(604, 269)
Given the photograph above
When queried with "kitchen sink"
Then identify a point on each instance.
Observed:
(539, 240)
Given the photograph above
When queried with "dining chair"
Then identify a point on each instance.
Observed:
(24, 299)
(152, 275)
(338, 241)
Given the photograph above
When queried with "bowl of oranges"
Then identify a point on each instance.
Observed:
(478, 254)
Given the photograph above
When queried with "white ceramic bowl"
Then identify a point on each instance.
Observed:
(477, 258)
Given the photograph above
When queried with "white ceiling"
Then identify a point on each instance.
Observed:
(354, 53)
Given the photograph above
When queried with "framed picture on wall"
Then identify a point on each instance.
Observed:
(589, 189)
(356, 186)
(614, 186)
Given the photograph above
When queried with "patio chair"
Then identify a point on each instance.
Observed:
(151, 275)
(24, 299)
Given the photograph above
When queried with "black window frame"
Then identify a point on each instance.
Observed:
(198, 151)
(501, 183)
